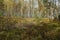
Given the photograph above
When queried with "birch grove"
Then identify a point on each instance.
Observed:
(26, 8)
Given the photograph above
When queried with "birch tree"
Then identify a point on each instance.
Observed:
(8, 5)
(41, 7)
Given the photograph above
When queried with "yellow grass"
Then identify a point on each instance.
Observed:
(29, 20)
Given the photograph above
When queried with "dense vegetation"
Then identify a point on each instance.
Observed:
(14, 26)
(9, 30)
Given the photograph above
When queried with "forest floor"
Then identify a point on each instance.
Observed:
(29, 29)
